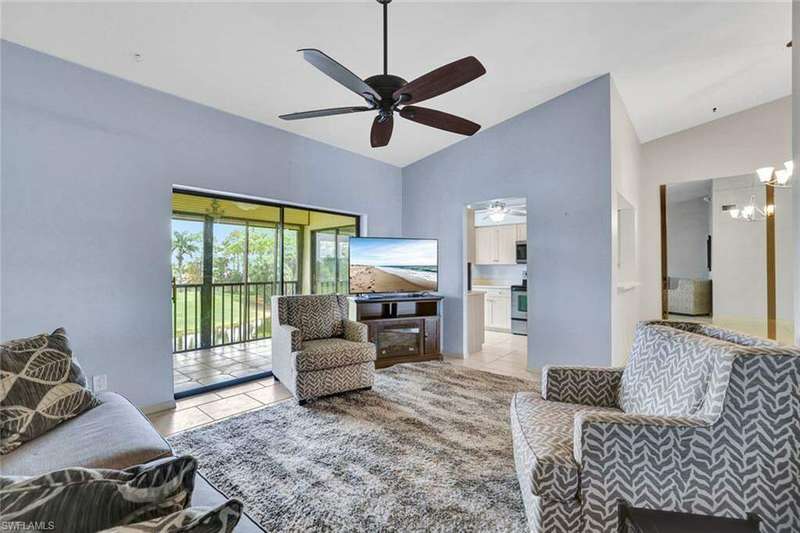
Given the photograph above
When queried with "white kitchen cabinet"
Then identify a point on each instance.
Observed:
(497, 308)
(485, 246)
(522, 232)
(496, 245)
(500, 311)
(507, 245)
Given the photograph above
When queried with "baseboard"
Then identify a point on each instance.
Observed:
(158, 407)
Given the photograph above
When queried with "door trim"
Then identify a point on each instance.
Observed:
(662, 193)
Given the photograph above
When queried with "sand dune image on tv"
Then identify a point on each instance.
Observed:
(379, 265)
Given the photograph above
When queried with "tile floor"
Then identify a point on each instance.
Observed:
(215, 365)
(502, 353)
(206, 408)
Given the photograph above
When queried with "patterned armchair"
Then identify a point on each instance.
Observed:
(689, 296)
(316, 350)
(702, 420)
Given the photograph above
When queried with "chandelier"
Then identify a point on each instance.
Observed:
(750, 212)
(776, 178)
(768, 177)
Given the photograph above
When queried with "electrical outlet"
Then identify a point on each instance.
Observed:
(100, 383)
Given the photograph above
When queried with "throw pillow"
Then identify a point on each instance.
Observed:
(220, 519)
(41, 385)
(77, 500)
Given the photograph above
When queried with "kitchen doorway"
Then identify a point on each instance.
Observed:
(496, 291)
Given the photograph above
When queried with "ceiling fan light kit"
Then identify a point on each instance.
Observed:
(387, 93)
(498, 210)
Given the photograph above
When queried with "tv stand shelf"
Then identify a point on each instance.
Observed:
(404, 329)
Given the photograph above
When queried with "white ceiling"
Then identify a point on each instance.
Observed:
(672, 62)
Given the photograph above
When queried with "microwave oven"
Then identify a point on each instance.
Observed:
(522, 252)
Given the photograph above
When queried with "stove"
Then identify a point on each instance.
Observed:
(519, 309)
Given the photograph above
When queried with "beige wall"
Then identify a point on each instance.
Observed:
(626, 177)
(796, 146)
(730, 146)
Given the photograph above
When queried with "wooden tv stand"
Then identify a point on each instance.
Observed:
(405, 329)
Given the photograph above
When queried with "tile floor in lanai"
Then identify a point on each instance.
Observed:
(210, 366)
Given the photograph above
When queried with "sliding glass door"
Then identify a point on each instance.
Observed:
(330, 263)
(230, 257)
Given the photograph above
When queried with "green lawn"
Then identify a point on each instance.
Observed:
(188, 306)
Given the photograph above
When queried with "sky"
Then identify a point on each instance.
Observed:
(401, 252)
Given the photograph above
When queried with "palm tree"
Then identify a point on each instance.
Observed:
(184, 243)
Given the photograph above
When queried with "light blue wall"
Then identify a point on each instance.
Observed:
(89, 161)
(88, 165)
(557, 155)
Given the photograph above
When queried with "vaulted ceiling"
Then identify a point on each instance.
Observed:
(673, 63)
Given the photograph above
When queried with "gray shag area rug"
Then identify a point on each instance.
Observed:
(427, 449)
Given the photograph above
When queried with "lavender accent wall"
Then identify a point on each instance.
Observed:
(88, 164)
(557, 155)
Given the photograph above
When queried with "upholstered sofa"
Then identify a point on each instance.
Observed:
(316, 349)
(689, 296)
(115, 435)
(701, 420)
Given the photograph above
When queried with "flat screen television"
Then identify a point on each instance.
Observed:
(391, 265)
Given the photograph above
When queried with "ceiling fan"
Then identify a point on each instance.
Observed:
(498, 210)
(387, 93)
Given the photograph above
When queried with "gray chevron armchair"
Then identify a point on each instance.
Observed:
(316, 350)
(701, 420)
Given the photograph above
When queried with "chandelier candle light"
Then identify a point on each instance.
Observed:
(768, 177)
(776, 178)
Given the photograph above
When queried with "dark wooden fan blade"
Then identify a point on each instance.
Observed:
(338, 72)
(439, 119)
(324, 112)
(440, 81)
(381, 131)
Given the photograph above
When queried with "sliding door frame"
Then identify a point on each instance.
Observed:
(336, 232)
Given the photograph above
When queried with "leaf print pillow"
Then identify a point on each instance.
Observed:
(83, 500)
(220, 519)
(41, 385)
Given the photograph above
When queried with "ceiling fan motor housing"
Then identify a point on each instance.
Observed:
(385, 85)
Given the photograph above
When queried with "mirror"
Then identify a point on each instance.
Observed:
(729, 253)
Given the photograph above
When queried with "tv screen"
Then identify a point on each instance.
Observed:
(379, 265)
